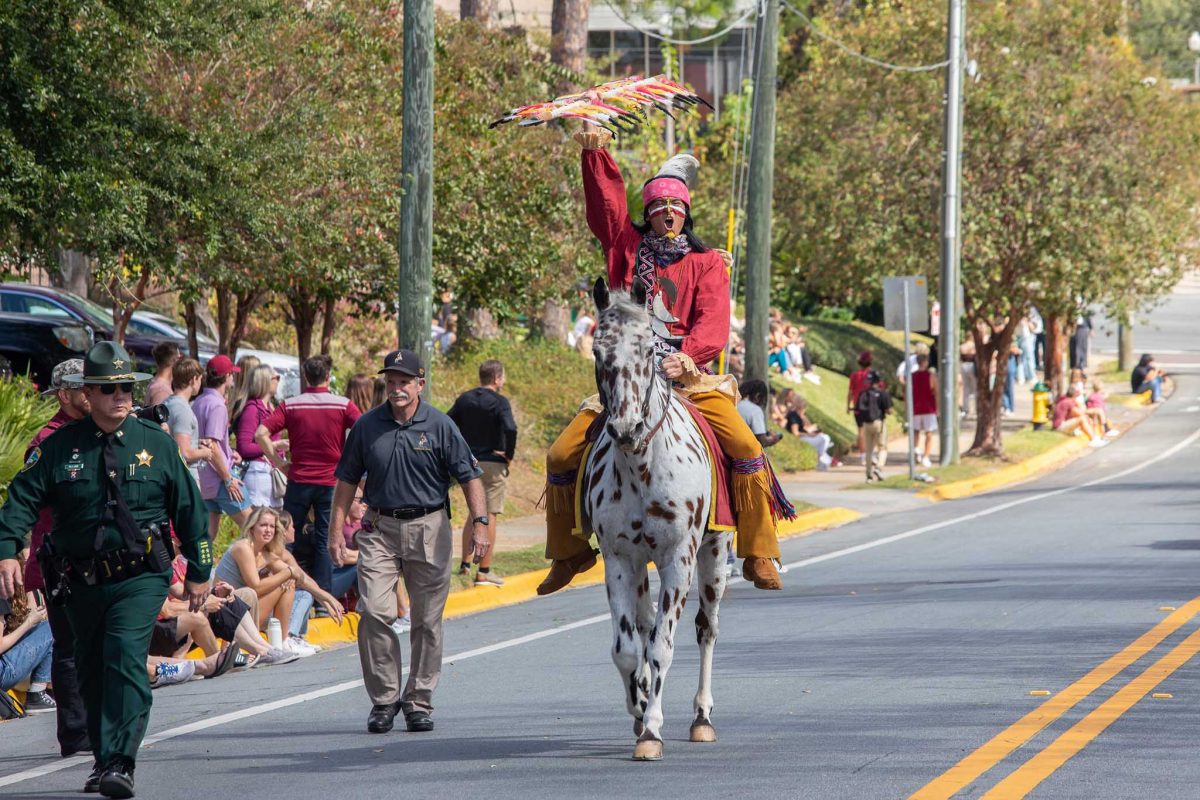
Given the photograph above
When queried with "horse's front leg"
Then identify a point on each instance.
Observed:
(710, 586)
(675, 577)
(627, 645)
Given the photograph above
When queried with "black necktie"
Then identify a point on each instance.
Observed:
(116, 512)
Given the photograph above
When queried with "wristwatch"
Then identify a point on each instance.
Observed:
(481, 520)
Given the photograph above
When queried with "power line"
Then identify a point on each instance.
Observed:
(849, 51)
(670, 40)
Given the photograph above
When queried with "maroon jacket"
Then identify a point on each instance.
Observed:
(33, 573)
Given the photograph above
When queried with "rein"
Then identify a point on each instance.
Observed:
(645, 445)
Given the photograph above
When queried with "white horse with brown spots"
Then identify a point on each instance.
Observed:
(647, 490)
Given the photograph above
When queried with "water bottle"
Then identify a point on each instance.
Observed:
(274, 633)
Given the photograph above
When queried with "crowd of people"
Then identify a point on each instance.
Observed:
(263, 463)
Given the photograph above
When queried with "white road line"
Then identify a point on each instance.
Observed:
(254, 711)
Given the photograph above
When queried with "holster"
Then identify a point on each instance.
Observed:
(54, 572)
(154, 554)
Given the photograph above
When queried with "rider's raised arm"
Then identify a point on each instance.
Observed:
(709, 331)
(604, 198)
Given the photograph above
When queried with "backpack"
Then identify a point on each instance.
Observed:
(870, 407)
(10, 708)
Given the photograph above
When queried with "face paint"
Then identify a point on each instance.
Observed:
(667, 205)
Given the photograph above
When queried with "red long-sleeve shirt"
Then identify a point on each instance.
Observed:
(702, 303)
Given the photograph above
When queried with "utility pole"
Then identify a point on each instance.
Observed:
(416, 204)
(759, 204)
(951, 207)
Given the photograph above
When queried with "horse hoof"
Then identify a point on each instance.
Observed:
(638, 728)
(648, 750)
(703, 732)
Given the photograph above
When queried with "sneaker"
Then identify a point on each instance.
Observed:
(300, 647)
(1098, 443)
(463, 569)
(1112, 433)
(488, 579)
(276, 656)
(814, 377)
(39, 702)
(925, 462)
(169, 673)
(401, 625)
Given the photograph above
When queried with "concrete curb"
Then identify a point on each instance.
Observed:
(1006, 476)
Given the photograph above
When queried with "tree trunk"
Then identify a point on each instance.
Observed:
(554, 321)
(480, 10)
(480, 324)
(995, 348)
(304, 319)
(74, 271)
(247, 304)
(224, 319)
(126, 301)
(568, 34)
(1056, 349)
(190, 319)
(328, 324)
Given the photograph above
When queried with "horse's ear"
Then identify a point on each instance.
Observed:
(639, 292)
(600, 294)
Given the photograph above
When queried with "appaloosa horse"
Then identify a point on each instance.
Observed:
(647, 490)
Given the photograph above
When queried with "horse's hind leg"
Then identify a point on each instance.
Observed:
(710, 586)
(627, 645)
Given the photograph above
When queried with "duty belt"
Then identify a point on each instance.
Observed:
(411, 512)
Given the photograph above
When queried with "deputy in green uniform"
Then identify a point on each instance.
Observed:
(113, 481)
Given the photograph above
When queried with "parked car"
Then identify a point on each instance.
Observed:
(149, 323)
(34, 344)
(48, 302)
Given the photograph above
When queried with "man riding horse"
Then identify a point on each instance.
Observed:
(666, 256)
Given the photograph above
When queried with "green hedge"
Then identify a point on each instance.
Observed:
(23, 412)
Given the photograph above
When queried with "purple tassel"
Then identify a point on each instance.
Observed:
(561, 478)
(780, 505)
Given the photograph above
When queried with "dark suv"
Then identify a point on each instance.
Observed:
(47, 302)
(35, 344)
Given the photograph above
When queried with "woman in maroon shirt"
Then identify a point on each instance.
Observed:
(260, 402)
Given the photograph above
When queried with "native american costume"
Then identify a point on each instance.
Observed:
(701, 307)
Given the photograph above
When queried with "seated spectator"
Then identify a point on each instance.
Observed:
(754, 398)
(307, 591)
(797, 423)
(1070, 417)
(777, 356)
(1147, 377)
(781, 405)
(253, 561)
(798, 353)
(25, 650)
(164, 671)
(735, 365)
(1096, 407)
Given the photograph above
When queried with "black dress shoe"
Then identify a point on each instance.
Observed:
(381, 718)
(418, 722)
(117, 780)
(92, 784)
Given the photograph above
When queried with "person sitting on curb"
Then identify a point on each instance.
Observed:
(798, 424)
(167, 671)
(307, 591)
(1070, 418)
(252, 561)
(1147, 377)
(1097, 410)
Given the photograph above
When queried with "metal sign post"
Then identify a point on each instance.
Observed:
(906, 303)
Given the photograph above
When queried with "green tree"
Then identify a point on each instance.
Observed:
(1079, 166)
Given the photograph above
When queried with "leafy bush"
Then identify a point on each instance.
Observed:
(792, 455)
(23, 412)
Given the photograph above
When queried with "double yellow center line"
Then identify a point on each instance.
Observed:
(1026, 777)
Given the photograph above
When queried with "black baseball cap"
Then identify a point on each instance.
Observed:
(405, 362)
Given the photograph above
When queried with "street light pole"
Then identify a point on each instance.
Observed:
(951, 205)
(1194, 46)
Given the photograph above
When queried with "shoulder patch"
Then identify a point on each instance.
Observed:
(35, 456)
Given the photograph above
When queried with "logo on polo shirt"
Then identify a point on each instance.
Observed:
(422, 443)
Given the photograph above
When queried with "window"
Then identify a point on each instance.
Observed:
(31, 304)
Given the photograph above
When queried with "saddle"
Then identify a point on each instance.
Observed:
(721, 512)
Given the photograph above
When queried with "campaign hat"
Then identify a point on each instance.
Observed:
(107, 362)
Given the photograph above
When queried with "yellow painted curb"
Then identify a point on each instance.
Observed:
(1008, 475)
(815, 520)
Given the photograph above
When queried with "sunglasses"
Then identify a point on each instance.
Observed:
(111, 388)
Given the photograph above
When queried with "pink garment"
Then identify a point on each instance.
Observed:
(157, 391)
(349, 528)
(659, 188)
(1096, 400)
(247, 423)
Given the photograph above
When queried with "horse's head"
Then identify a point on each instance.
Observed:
(624, 350)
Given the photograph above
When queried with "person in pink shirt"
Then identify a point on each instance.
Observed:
(316, 423)
(247, 415)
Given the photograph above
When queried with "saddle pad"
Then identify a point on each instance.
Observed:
(720, 512)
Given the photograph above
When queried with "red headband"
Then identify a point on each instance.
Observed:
(659, 188)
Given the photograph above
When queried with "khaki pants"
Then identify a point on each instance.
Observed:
(874, 438)
(418, 550)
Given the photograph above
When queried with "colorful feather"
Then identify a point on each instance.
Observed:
(616, 106)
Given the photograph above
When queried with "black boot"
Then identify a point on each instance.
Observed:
(382, 717)
(92, 784)
(117, 780)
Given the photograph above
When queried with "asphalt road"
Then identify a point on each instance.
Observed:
(901, 645)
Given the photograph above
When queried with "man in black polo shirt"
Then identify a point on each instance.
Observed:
(409, 452)
(485, 419)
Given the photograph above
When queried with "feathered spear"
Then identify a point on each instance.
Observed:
(616, 106)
